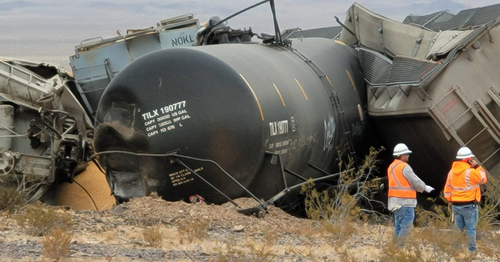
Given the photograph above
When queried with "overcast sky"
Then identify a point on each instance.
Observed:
(67, 22)
(105, 16)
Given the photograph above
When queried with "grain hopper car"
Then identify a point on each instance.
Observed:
(433, 83)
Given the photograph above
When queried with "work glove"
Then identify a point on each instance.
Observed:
(428, 189)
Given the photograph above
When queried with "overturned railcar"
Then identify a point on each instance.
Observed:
(45, 134)
(230, 120)
(433, 83)
(96, 61)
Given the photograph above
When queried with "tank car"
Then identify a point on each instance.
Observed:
(231, 119)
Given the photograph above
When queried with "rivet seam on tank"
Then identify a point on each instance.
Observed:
(282, 101)
(301, 89)
(350, 78)
(255, 96)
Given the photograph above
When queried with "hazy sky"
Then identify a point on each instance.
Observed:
(105, 16)
(56, 26)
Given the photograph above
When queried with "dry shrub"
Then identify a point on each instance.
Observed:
(264, 250)
(340, 229)
(443, 241)
(489, 211)
(339, 206)
(11, 199)
(439, 242)
(338, 213)
(152, 236)
(489, 251)
(228, 252)
(38, 220)
(304, 230)
(56, 244)
(489, 214)
(435, 239)
(438, 216)
(417, 251)
(345, 255)
(193, 229)
(411, 253)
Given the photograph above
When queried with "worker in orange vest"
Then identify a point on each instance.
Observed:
(403, 187)
(462, 190)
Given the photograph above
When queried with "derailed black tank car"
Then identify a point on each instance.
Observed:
(253, 109)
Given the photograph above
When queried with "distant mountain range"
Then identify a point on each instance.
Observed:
(400, 12)
(10, 5)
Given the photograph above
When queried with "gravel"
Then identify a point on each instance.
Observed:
(200, 232)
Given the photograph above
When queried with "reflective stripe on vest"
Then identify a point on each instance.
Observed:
(467, 183)
(464, 194)
(398, 184)
(448, 187)
(483, 175)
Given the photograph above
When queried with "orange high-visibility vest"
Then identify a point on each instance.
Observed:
(465, 186)
(398, 184)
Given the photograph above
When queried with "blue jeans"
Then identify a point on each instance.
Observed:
(403, 221)
(466, 218)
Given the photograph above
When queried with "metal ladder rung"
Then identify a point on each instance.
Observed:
(494, 96)
(482, 130)
(476, 114)
(439, 117)
(442, 98)
(488, 158)
(466, 111)
(489, 116)
(441, 123)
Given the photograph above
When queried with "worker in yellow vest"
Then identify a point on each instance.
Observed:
(403, 187)
(462, 190)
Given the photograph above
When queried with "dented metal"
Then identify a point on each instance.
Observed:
(446, 94)
(43, 132)
(97, 61)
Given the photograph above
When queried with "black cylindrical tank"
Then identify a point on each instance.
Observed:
(230, 103)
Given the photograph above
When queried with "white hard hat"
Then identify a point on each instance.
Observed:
(464, 153)
(401, 149)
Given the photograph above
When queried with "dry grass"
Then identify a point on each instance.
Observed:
(38, 219)
(337, 214)
(435, 239)
(345, 255)
(392, 253)
(152, 236)
(228, 251)
(11, 199)
(262, 250)
(194, 229)
(56, 244)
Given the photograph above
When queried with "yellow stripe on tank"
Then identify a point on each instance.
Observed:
(330, 82)
(339, 42)
(282, 101)
(255, 96)
(301, 89)
(350, 78)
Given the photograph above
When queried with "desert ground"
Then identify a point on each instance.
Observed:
(151, 229)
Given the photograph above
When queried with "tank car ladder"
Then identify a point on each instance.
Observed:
(334, 98)
(477, 111)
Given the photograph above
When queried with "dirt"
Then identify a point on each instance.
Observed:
(200, 232)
